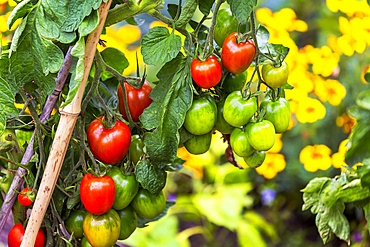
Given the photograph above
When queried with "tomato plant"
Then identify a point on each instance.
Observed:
(206, 74)
(239, 143)
(148, 205)
(26, 197)
(74, 223)
(97, 193)
(16, 235)
(128, 222)
(126, 188)
(225, 25)
(136, 148)
(108, 145)
(201, 117)
(137, 99)
(278, 113)
(102, 230)
(221, 125)
(235, 82)
(238, 111)
(199, 144)
(237, 57)
(261, 135)
(275, 77)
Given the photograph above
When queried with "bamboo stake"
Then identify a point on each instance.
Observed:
(63, 135)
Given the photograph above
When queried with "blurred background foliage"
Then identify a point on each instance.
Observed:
(220, 205)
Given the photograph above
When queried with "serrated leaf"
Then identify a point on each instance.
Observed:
(35, 58)
(150, 176)
(353, 191)
(277, 51)
(89, 24)
(172, 97)
(263, 36)
(363, 99)
(7, 108)
(242, 8)
(205, 6)
(19, 11)
(5, 73)
(315, 185)
(158, 46)
(116, 59)
(359, 146)
(337, 221)
(142, 222)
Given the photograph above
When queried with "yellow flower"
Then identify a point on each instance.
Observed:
(273, 164)
(346, 121)
(310, 110)
(277, 145)
(301, 79)
(194, 163)
(329, 90)
(323, 60)
(315, 157)
(338, 158)
(285, 19)
(349, 7)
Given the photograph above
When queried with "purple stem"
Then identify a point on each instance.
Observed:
(45, 115)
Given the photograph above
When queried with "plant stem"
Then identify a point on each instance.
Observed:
(209, 41)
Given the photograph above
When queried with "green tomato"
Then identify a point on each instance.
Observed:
(199, 144)
(221, 125)
(234, 82)
(126, 188)
(128, 222)
(261, 135)
(7, 141)
(136, 148)
(238, 111)
(102, 230)
(278, 113)
(74, 223)
(239, 143)
(275, 77)
(148, 205)
(225, 25)
(256, 159)
(202, 115)
(85, 243)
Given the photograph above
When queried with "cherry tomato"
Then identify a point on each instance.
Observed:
(261, 135)
(275, 77)
(16, 235)
(148, 205)
(221, 125)
(128, 222)
(225, 25)
(108, 145)
(102, 230)
(236, 58)
(137, 99)
(126, 188)
(202, 115)
(26, 197)
(238, 111)
(234, 82)
(206, 74)
(74, 223)
(199, 144)
(136, 148)
(239, 143)
(278, 113)
(97, 193)
(256, 159)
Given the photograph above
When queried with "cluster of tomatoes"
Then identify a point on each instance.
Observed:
(251, 127)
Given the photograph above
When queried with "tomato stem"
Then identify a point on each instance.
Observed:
(178, 11)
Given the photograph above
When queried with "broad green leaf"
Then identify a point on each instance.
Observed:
(353, 191)
(242, 8)
(363, 99)
(19, 11)
(73, 83)
(159, 46)
(142, 222)
(172, 97)
(5, 73)
(205, 6)
(358, 112)
(75, 199)
(2, 124)
(249, 235)
(184, 135)
(263, 36)
(7, 108)
(150, 176)
(359, 145)
(89, 24)
(337, 221)
(116, 59)
(34, 57)
(277, 51)
(367, 215)
(364, 174)
(323, 227)
(315, 185)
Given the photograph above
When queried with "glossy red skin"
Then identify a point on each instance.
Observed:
(23, 198)
(137, 99)
(206, 74)
(236, 58)
(97, 193)
(16, 235)
(108, 145)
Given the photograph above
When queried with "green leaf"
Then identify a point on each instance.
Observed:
(353, 191)
(358, 112)
(277, 51)
(73, 83)
(116, 59)
(89, 24)
(359, 146)
(249, 235)
(5, 73)
(172, 97)
(205, 6)
(19, 11)
(175, 166)
(315, 185)
(34, 58)
(367, 215)
(150, 176)
(242, 8)
(75, 199)
(364, 174)
(184, 135)
(363, 99)
(159, 46)
(142, 222)
(7, 108)
(263, 36)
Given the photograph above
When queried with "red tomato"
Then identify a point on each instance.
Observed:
(206, 74)
(108, 145)
(137, 99)
(97, 193)
(26, 197)
(236, 58)
(16, 234)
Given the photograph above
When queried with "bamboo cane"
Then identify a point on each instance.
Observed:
(63, 135)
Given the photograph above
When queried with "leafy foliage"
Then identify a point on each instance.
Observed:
(150, 176)
(242, 9)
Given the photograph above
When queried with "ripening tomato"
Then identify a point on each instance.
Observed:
(137, 99)
(85, 243)
(206, 74)
(97, 193)
(237, 57)
(16, 235)
(239, 143)
(238, 111)
(136, 148)
(26, 197)
(199, 144)
(74, 223)
(256, 159)
(128, 222)
(275, 77)
(278, 113)
(261, 135)
(148, 205)
(225, 25)
(108, 145)
(221, 125)
(235, 82)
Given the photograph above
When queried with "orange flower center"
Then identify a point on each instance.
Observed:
(316, 156)
(310, 109)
